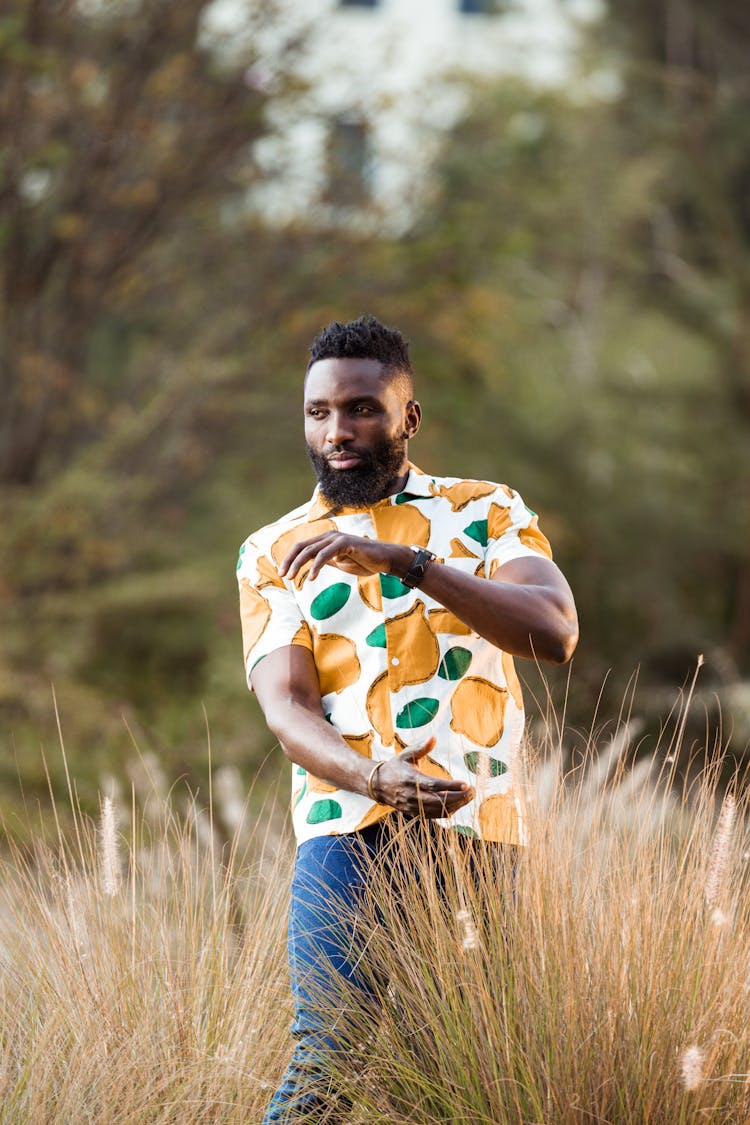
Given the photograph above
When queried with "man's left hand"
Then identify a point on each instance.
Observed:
(351, 553)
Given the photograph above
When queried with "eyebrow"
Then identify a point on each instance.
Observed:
(354, 401)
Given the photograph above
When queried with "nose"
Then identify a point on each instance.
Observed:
(339, 428)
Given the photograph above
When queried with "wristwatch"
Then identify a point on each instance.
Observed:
(418, 568)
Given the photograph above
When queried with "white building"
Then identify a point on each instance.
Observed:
(384, 78)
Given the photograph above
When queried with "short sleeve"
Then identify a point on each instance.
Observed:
(269, 613)
(512, 531)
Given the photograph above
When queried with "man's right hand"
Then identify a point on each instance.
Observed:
(401, 785)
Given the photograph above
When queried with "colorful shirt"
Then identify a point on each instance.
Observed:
(395, 666)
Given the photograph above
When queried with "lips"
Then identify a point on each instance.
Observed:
(344, 460)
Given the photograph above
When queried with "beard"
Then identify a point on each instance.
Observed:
(367, 482)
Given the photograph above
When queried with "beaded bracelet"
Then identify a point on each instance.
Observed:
(371, 778)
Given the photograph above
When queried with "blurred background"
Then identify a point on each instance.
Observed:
(551, 198)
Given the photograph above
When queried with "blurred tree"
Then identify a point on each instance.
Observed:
(125, 127)
(686, 73)
(579, 288)
(115, 119)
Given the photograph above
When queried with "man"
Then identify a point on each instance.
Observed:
(380, 620)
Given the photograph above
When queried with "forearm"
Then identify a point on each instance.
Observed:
(534, 621)
(310, 741)
(522, 620)
(287, 687)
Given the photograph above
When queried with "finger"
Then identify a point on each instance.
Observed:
(436, 789)
(431, 806)
(292, 553)
(438, 785)
(329, 555)
(304, 552)
(304, 558)
(413, 754)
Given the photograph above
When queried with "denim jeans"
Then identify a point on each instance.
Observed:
(330, 877)
(329, 882)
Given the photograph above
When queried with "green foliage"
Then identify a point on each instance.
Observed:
(577, 295)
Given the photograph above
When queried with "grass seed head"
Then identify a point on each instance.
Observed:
(109, 857)
(692, 1061)
(721, 851)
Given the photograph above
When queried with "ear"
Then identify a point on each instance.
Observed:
(412, 418)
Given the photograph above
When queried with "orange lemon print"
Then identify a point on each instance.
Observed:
(459, 550)
(410, 634)
(362, 743)
(478, 710)
(336, 661)
(317, 785)
(401, 523)
(532, 537)
(463, 492)
(498, 520)
(287, 540)
(378, 706)
(268, 575)
(369, 592)
(499, 819)
(255, 613)
(443, 621)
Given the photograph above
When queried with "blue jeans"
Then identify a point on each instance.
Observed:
(330, 877)
(329, 882)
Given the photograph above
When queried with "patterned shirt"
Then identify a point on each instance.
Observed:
(395, 666)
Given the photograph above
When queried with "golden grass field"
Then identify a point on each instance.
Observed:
(608, 980)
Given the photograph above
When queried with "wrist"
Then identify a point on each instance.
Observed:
(400, 560)
(372, 780)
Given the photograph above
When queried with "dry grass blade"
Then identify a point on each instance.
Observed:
(143, 974)
(592, 973)
(166, 1002)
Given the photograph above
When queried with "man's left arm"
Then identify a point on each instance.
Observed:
(526, 608)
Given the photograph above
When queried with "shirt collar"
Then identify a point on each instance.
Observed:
(418, 484)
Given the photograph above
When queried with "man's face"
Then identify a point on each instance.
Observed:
(357, 424)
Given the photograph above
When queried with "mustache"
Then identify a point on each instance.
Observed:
(363, 455)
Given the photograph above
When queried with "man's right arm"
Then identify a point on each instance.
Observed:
(288, 691)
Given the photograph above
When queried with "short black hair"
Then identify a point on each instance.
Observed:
(365, 338)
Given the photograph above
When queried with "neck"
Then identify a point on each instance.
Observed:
(398, 484)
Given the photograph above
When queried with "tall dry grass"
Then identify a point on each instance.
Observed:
(143, 971)
(603, 977)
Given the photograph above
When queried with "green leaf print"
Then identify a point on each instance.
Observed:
(471, 761)
(465, 830)
(392, 587)
(417, 713)
(454, 663)
(376, 639)
(324, 810)
(239, 560)
(330, 600)
(477, 531)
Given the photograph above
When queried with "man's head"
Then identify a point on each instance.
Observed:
(359, 410)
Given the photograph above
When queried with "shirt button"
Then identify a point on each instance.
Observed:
(395, 661)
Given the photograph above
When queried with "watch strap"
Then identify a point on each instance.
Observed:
(418, 568)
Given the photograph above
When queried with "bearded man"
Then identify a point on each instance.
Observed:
(380, 621)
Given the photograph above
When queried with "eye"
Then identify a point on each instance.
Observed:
(314, 412)
(363, 410)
